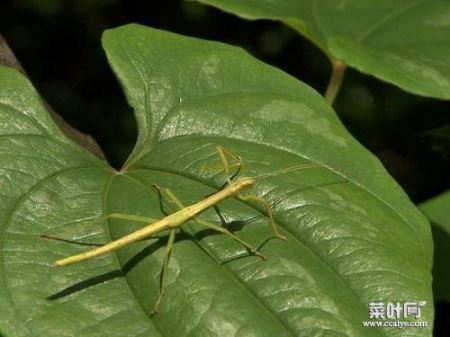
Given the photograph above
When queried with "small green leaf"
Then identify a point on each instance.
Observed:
(437, 211)
(403, 42)
(353, 235)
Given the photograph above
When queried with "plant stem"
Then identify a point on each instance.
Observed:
(338, 70)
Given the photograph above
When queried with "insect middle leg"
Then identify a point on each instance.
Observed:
(223, 153)
(173, 199)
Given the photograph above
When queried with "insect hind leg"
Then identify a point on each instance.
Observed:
(164, 267)
(223, 230)
(268, 207)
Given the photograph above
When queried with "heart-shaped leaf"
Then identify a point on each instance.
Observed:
(353, 235)
(403, 42)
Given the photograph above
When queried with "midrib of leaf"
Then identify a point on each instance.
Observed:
(338, 173)
(152, 139)
(204, 249)
(145, 311)
(324, 262)
(106, 193)
(388, 18)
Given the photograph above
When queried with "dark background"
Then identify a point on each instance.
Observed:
(58, 43)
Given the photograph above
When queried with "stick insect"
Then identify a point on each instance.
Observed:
(233, 188)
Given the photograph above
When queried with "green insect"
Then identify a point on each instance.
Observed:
(232, 189)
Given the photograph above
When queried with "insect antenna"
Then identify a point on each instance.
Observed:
(286, 170)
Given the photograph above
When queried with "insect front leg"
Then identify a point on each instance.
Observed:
(223, 154)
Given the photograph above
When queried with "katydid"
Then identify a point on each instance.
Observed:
(185, 213)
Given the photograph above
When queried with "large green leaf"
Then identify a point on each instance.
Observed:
(353, 235)
(437, 211)
(403, 42)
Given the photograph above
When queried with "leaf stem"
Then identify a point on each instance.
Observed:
(337, 75)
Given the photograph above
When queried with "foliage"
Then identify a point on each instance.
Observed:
(436, 210)
(353, 235)
(402, 42)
